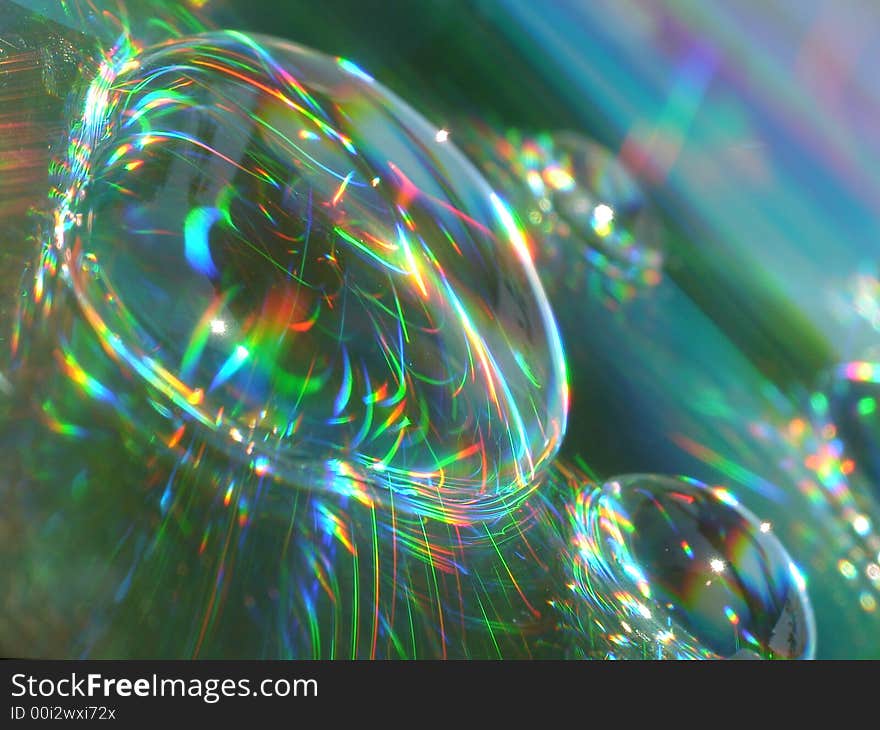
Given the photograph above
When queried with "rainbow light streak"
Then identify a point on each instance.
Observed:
(198, 223)
(328, 319)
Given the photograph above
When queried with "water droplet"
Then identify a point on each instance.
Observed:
(226, 237)
(854, 409)
(672, 568)
(586, 207)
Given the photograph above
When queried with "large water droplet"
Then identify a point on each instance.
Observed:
(284, 252)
